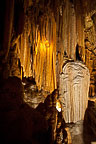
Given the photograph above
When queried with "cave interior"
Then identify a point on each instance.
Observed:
(48, 72)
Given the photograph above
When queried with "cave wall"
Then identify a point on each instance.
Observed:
(41, 34)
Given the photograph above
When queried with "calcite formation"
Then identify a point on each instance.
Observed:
(73, 91)
(42, 32)
(37, 39)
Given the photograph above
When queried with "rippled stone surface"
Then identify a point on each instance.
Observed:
(74, 88)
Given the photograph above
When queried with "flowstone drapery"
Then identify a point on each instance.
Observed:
(74, 88)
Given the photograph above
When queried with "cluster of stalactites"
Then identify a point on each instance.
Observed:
(44, 35)
(70, 33)
(44, 55)
(37, 46)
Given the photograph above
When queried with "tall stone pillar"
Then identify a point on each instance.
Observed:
(73, 91)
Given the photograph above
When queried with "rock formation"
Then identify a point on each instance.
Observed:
(19, 123)
(89, 124)
(37, 38)
(74, 88)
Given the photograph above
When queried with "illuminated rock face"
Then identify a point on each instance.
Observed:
(74, 88)
(36, 48)
(41, 33)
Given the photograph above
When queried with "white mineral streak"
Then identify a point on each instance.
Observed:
(74, 88)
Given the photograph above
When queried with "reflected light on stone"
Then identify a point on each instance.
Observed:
(42, 46)
(58, 106)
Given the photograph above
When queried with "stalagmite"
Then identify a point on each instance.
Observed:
(74, 88)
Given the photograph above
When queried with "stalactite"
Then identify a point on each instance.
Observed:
(41, 40)
(67, 36)
(47, 36)
(49, 39)
(45, 56)
(80, 25)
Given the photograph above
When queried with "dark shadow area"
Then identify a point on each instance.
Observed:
(78, 57)
(19, 123)
(89, 125)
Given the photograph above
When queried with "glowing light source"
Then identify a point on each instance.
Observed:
(58, 106)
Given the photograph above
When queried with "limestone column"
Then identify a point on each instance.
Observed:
(74, 90)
